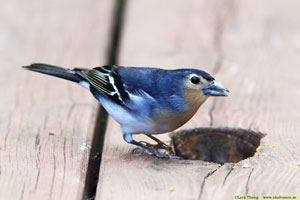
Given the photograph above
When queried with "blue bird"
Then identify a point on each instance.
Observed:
(143, 100)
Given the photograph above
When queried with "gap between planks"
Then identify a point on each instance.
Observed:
(94, 163)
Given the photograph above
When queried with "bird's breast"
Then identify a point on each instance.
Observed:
(167, 121)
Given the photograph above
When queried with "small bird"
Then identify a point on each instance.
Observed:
(143, 100)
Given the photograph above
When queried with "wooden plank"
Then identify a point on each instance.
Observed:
(260, 47)
(252, 48)
(46, 124)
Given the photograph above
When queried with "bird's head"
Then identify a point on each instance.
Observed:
(200, 85)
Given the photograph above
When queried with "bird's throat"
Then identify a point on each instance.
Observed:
(194, 99)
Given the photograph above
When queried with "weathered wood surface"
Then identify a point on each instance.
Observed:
(46, 124)
(252, 47)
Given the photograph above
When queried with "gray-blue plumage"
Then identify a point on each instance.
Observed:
(143, 100)
(154, 81)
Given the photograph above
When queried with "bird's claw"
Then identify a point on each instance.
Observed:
(157, 153)
(160, 144)
(141, 150)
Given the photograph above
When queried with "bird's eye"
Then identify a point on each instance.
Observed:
(195, 80)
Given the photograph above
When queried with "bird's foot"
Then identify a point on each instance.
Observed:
(160, 144)
(156, 152)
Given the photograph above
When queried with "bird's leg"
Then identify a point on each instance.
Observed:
(148, 149)
(160, 144)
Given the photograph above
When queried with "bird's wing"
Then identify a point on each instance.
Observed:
(107, 81)
(141, 81)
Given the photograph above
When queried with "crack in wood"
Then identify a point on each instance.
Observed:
(227, 175)
(204, 180)
(95, 156)
(54, 172)
(22, 192)
(64, 170)
(118, 21)
(37, 139)
(37, 180)
(37, 161)
(247, 184)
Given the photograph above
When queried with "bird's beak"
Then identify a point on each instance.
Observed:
(215, 89)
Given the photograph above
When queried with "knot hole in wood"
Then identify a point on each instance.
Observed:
(217, 145)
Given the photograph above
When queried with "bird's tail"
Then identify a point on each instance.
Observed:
(59, 72)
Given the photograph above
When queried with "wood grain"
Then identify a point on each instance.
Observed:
(46, 124)
(251, 47)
